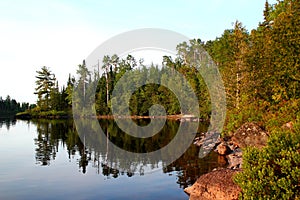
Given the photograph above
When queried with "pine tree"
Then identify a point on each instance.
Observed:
(45, 84)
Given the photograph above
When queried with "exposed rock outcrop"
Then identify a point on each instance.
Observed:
(250, 134)
(216, 185)
(219, 184)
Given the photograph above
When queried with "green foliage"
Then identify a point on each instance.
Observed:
(274, 171)
(230, 52)
(45, 84)
(267, 64)
(49, 114)
(260, 71)
(262, 112)
(149, 94)
(51, 99)
(10, 106)
(69, 91)
(251, 112)
(281, 113)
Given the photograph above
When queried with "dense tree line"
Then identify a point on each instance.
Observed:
(100, 86)
(260, 70)
(50, 96)
(9, 106)
(261, 73)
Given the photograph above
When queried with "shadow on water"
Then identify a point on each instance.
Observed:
(54, 133)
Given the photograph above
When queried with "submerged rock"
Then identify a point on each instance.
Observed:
(210, 141)
(216, 185)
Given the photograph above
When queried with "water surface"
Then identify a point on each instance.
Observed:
(46, 159)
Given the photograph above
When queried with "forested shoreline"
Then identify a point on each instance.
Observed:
(261, 74)
(260, 69)
(9, 106)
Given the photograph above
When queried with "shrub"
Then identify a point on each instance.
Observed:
(282, 113)
(250, 112)
(274, 171)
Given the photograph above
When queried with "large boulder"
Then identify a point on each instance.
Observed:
(250, 134)
(216, 185)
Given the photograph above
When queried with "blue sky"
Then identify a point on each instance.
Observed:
(60, 34)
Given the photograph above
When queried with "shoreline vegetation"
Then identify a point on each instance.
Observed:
(43, 115)
(68, 115)
(261, 75)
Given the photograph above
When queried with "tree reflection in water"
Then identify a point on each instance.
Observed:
(54, 133)
(8, 121)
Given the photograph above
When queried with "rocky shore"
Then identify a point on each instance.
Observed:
(215, 185)
(218, 184)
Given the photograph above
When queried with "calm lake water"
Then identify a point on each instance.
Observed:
(46, 159)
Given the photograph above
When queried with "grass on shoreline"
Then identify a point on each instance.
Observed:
(53, 114)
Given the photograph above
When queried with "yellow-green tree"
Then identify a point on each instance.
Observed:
(45, 84)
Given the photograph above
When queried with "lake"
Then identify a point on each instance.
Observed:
(47, 159)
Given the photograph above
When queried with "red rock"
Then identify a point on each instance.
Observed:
(223, 149)
(216, 185)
